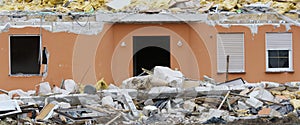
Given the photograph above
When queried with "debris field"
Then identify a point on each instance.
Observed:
(160, 96)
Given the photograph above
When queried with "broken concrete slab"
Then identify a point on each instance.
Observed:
(137, 82)
(261, 93)
(9, 107)
(128, 101)
(70, 85)
(58, 90)
(150, 110)
(19, 93)
(118, 4)
(209, 79)
(234, 82)
(4, 97)
(43, 88)
(214, 113)
(108, 100)
(255, 103)
(266, 84)
(189, 105)
(149, 102)
(242, 105)
(190, 84)
(174, 78)
(116, 92)
(158, 82)
(89, 99)
(73, 99)
(163, 92)
(89, 89)
(212, 90)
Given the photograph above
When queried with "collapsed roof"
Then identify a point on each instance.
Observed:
(197, 6)
(87, 15)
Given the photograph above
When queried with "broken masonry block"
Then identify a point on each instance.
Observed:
(150, 110)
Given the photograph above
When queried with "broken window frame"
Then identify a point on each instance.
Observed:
(279, 47)
(222, 69)
(40, 55)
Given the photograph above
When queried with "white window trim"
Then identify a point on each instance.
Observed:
(9, 56)
(229, 70)
(290, 69)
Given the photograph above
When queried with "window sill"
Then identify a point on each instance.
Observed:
(232, 72)
(279, 71)
(24, 75)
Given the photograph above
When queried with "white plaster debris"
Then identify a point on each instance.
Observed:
(174, 78)
(44, 88)
(254, 102)
(70, 85)
(164, 104)
(118, 4)
(89, 26)
(150, 110)
(108, 100)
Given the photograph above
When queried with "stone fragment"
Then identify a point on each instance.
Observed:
(108, 100)
(255, 103)
(150, 110)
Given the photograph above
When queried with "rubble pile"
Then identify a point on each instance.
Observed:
(164, 96)
(141, 6)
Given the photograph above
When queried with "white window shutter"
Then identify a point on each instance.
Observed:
(233, 45)
(278, 41)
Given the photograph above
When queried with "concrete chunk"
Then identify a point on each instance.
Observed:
(18, 92)
(189, 105)
(70, 85)
(214, 113)
(254, 102)
(59, 90)
(4, 97)
(263, 94)
(137, 82)
(150, 110)
(44, 88)
(128, 101)
(234, 82)
(174, 78)
(107, 100)
(149, 102)
(163, 92)
(90, 89)
(118, 4)
(242, 105)
(116, 92)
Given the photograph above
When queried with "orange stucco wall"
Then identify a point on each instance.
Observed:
(60, 46)
(255, 54)
(88, 58)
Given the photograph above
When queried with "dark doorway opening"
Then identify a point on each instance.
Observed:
(25, 55)
(150, 51)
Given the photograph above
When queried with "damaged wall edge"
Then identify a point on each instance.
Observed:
(89, 26)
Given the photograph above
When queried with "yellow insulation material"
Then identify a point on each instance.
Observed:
(143, 5)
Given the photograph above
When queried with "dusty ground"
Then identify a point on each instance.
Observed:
(289, 120)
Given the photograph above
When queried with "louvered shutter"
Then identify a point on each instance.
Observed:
(279, 41)
(233, 45)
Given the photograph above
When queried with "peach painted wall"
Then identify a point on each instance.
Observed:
(60, 47)
(88, 58)
(255, 54)
(182, 57)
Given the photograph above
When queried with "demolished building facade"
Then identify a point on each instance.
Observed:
(167, 62)
(87, 46)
